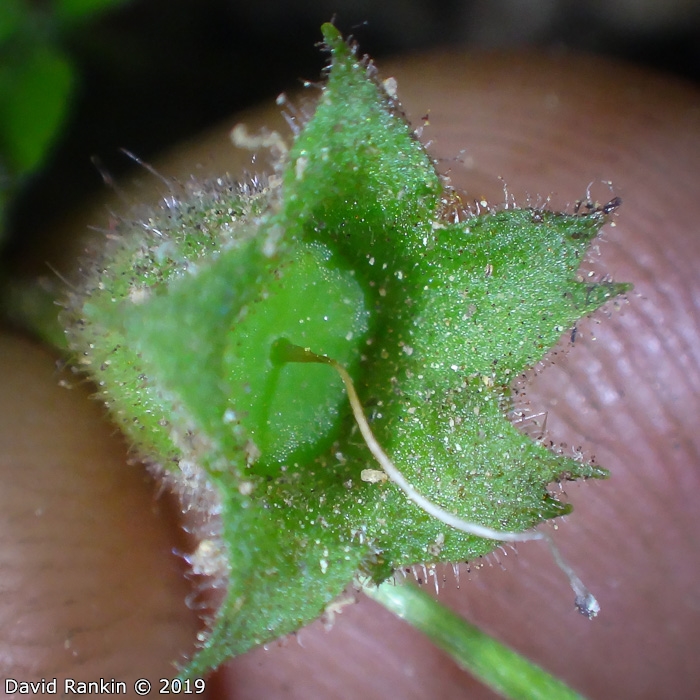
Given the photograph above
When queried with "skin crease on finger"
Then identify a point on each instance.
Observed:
(627, 393)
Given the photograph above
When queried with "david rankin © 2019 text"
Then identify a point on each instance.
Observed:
(70, 687)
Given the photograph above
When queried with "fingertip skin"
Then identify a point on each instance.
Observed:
(91, 586)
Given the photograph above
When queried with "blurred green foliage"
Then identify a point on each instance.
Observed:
(37, 82)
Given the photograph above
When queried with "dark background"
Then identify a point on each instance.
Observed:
(156, 71)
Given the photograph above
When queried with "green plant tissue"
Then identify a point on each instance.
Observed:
(346, 251)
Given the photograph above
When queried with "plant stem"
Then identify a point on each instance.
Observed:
(500, 668)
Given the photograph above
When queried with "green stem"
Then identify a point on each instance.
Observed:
(500, 668)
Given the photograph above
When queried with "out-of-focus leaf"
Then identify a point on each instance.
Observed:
(70, 10)
(34, 100)
(11, 13)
